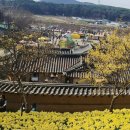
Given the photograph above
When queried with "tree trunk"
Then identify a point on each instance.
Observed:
(23, 95)
(112, 103)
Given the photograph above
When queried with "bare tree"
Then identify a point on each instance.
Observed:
(15, 16)
(18, 18)
(11, 61)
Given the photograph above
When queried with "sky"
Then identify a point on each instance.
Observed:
(117, 3)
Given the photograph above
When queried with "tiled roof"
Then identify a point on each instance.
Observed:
(54, 64)
(60, 89)
(51, 64)
(83, 49)
(78, 70)
(123, 76)
(62, 51)
(77, 66)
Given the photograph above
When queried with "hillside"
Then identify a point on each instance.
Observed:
(91, 11)
(61, 1)
(65, 2)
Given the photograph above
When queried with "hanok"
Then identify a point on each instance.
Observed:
(64, 67)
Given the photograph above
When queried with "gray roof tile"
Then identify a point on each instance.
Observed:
(61, 89)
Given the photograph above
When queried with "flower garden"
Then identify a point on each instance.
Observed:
(96, 120)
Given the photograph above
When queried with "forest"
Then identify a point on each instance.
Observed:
(92, 11)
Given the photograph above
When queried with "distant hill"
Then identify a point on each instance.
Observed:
(72, 8)
(61, 1)
(65, 2)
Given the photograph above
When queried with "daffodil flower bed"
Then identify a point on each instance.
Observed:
(96, 120)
